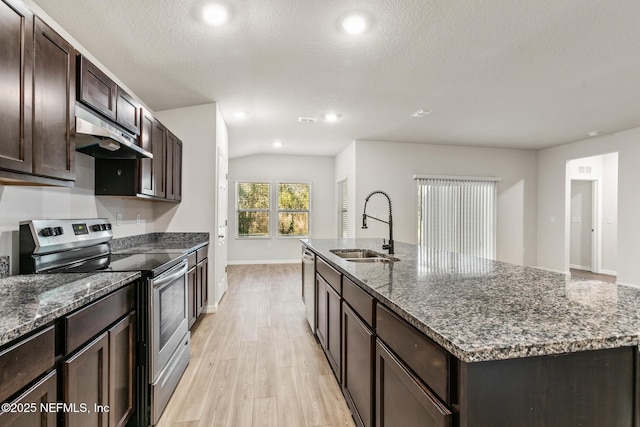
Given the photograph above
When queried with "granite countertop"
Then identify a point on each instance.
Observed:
(481, 310)
(30, 301)
(160, 242)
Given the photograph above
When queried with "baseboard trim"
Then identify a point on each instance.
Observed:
(268, 261)
(609, 272)
(552, 270)
(580, 267)
(631, 285)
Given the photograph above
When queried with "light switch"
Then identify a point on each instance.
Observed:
(609, 220)
(576, 219)
(119, 218)
(553, 219)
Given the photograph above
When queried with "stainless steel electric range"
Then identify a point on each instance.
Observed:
(163, 346)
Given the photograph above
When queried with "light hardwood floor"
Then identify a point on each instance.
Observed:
(255, 361)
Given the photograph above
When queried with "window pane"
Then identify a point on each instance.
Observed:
(253, 223)
(293, 223)
(293, 196)
(253, 195)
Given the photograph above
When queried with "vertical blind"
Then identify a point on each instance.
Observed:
(343, 224)
(458, 214)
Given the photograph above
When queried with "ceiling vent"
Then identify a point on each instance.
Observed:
(307, 119)
(584, 169)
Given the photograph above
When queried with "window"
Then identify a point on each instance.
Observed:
(293, 209)
(253, 200)
(258, 216)
(458, 214)
(343, 218)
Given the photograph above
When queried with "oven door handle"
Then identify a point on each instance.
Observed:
(170, 275)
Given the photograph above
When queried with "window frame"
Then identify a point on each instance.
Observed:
(267, 210)
(276, 217)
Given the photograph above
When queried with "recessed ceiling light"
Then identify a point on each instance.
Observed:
(355, 24)
(594, 133)
(331, 117)
(421, 113)
(240, 114)
(277, 143)
(215, 14)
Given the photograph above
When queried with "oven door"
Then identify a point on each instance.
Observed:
(168, 316)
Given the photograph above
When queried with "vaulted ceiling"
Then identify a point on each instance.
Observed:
(499, 73)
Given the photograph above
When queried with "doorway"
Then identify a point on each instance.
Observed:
(591, 214)
(583, 251)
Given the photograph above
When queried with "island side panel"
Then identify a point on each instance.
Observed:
(588, 389)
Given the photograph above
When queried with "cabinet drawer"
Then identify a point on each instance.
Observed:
(192, 260)
(25, 361)
(429, 362)
(331, 275)
(402, 399)
(96, 317)
(202, 253)
(359, 300)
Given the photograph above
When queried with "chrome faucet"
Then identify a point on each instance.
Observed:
(389, 245)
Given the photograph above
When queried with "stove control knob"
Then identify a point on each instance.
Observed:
(46, 232)
(58, 231)
(103, 227)
(95, 227)
(108, 226)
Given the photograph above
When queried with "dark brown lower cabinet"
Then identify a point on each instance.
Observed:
(334, 331)
(321, 310)
(202, 290)
(401, 398)
(192, 293)
(121, 371)
(42, 392)
(86, 382)
(357, 366)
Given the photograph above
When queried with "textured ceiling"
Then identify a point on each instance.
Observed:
(499, 73)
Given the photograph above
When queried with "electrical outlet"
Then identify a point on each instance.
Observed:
(119, 218)
(138, 218)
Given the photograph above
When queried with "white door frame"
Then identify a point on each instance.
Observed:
(596, 232)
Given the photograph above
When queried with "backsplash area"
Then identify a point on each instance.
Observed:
(4, 266)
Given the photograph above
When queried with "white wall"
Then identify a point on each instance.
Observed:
(552, 193)
(198, 128)
(389, 166)
(319, 171)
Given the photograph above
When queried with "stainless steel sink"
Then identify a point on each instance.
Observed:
(362, 255)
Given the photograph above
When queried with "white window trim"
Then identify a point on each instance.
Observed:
(277, 210)
(342, 194)
(269, 211)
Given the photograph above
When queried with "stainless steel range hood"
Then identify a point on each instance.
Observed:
(97, 137)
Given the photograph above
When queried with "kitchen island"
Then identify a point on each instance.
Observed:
(489, 343)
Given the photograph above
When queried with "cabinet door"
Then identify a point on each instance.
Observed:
(321, 313)
(158, 148)
(334, 332)
(192, 293)
(121, 371)
(86, 380)
(96, 89)
(53, 110)
(127, 111)
(146, 178)
(42, 392)
(16, 75)
(177, 170)
(203, 288)
(401, 399)
(168, 167)
(357, 366)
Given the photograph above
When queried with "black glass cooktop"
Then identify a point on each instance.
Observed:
(149, 264)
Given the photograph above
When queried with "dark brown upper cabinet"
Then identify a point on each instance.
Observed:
(37, 73)
(146, 165)
(127, 110)
(159, 150)
(16, 76)
(53, 107)
(173, 171)
(96, 89)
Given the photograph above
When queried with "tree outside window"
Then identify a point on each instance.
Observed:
(293, 209)
(254, 205)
